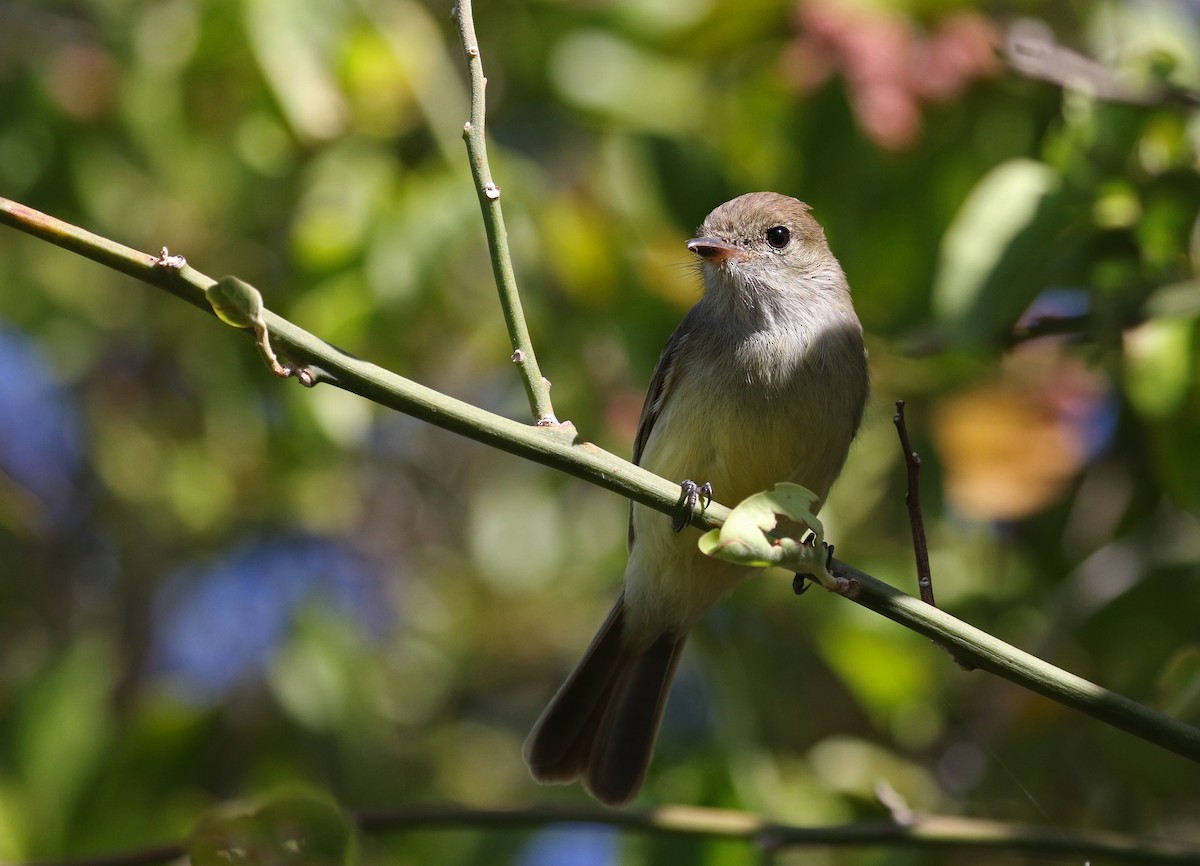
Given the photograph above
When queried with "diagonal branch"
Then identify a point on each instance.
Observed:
(560, 447)
(980, 649)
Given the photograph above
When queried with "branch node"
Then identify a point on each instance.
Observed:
(303, 375)
(491, 191)
(166, 260)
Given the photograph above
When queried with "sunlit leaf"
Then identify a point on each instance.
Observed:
(236, 302)
(744, 537)
(995, 254)
(748, 536)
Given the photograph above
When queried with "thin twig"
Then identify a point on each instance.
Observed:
(922, 832)
(916, 520)
(560, 448)
(536, 385)
(912, 498)
(1031, 50)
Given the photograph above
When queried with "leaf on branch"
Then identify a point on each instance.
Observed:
(240, 305)
(751, 535)
(236, 302)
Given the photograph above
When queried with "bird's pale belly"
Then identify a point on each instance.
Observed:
(669, 584)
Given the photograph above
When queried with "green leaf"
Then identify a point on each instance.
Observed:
(235, 302)
(995, 253)
(748, 536)
(63, 729)
(239, 304)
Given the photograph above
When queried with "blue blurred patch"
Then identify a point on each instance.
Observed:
(1093, 416)
(218, 624)
(571, 845)
(39, 432)
(1057, 303)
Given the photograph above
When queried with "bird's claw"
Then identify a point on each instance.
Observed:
(692, 494)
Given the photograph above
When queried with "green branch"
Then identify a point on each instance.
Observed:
(557, 446)
(560, 448)
(969, 644)
(536, 385)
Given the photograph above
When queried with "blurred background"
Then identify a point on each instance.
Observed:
(214, 584)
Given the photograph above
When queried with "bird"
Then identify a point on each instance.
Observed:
(764, 380)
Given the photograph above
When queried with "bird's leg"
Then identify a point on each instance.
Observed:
(692, 494)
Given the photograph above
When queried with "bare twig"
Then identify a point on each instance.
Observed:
(916, 519)
(926, 832)
(920, 832)
(912, 498)
(536, 385)
(1032, 51)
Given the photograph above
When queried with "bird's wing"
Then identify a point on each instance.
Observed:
(661, 383)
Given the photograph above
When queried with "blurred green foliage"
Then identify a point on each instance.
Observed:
(289, 830)
(312, 147)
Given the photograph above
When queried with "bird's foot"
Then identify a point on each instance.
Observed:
(691, 495)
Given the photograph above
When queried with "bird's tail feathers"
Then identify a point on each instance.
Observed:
(602, 723)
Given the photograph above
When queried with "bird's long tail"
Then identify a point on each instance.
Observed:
(602, 724)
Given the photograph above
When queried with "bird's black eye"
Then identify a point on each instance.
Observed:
(778, 236)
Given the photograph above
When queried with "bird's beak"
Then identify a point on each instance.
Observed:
(715, 250)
